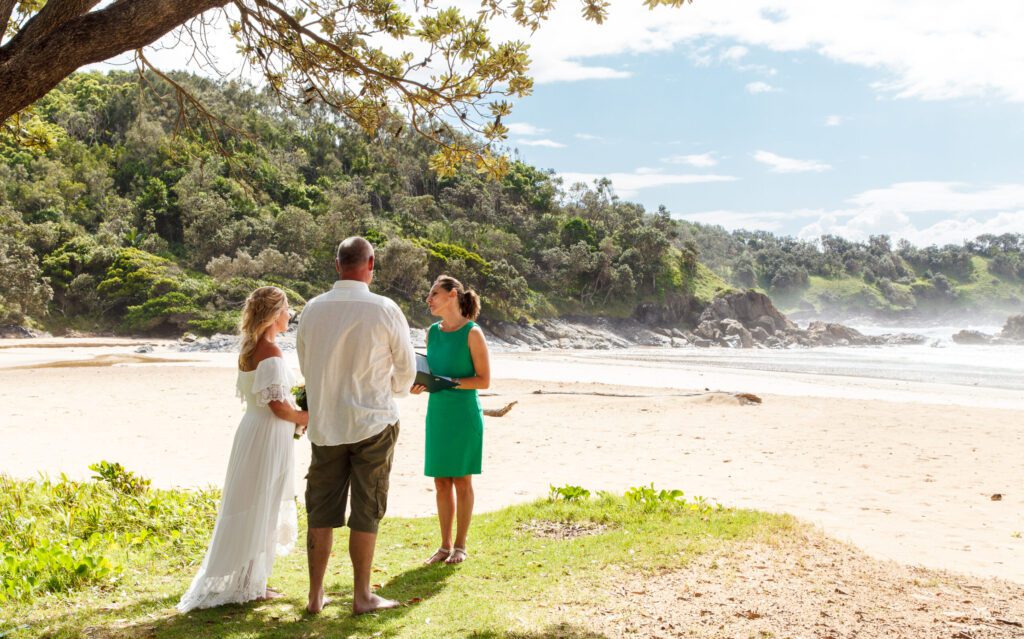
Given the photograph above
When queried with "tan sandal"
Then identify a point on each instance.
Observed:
(442, 554)
(457, 556)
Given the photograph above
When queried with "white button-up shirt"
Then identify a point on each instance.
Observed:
(356, 356)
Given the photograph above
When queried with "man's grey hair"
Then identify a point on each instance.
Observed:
(354, 252)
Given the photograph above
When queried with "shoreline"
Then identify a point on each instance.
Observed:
(907, 480)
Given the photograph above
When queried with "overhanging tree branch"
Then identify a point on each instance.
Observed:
(347, 54)
(53, 14)
(35, 66)
(6, 10)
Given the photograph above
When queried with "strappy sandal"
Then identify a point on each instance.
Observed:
(442, 554)
(457, 556)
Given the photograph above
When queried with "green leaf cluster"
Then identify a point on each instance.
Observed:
(62, 535)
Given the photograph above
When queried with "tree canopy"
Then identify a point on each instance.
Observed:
(438, 66)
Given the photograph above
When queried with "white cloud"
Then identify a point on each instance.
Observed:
(760, 87)
(551, 144)
(734, 53)
(902, 211)
(761, 220)
(833, 120)
(899, 226)
(928, 197)
(588, 137)
(522, 128)
(627, 185)
(702, 160)
(927, 50)
(781, 164)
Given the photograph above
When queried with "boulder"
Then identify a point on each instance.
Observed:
(708, 329)
(732, 341)
(972, 337)
(11, 331)
(750, 308)
(760, 334)
(1014, 328)
(733, 328)
(830, 334)
(774, 342)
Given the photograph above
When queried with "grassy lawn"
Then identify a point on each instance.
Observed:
(534, 570)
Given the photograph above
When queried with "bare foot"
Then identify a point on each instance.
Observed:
(270, 593)
(439, 556)
(316, 603)
(374, 603)
(458, 556)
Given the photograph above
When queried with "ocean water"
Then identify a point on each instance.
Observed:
(939, 371)
(972, 373)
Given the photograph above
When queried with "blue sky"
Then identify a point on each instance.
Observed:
(675, 115)
(801, 117)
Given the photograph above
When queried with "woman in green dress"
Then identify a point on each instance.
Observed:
(455, 425)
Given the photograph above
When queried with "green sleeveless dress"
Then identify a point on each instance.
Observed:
(455, 422)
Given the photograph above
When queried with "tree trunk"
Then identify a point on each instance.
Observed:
(39, 57)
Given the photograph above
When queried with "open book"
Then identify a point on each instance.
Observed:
(424, 377)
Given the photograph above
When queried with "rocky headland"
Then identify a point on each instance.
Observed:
(735, 320)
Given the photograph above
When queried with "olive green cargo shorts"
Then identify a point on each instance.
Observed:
(365, 468)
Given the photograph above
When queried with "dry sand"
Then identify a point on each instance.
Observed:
(903, 480)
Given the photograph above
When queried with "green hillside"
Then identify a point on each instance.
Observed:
(834, 277)
(118, 215)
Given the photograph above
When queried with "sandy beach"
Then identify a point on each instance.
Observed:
(904, 470)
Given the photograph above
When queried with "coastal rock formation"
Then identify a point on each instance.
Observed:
(750, 320)
(735, 320)
(1012, 333)
(749, 308)
(10, 331)
(973, 337)
(1014, 328)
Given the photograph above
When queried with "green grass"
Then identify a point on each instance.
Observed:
(981, 290)
(844, 293)
(985, 289)
(707, 284)
(515, 584)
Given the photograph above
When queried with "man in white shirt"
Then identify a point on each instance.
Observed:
(356, 357)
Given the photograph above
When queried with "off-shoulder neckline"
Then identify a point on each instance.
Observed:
(260, 362)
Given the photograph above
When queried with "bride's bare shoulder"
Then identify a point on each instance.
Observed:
(265, 350)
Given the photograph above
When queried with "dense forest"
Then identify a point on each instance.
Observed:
(128, 211)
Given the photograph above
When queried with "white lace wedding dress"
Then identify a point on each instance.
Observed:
(256, 519)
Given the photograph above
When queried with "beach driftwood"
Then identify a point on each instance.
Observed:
(744, 398)
(499, 412)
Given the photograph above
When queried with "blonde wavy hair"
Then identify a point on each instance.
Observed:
(261, 310)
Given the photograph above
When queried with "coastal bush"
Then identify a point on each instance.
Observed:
(59, 536)
(23, 291)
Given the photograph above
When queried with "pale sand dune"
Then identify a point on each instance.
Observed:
(904, 480)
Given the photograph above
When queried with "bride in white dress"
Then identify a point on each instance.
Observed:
(256, 519)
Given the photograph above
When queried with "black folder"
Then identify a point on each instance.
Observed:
(433, 382)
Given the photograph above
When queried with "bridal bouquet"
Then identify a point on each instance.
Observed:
(299, 393)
